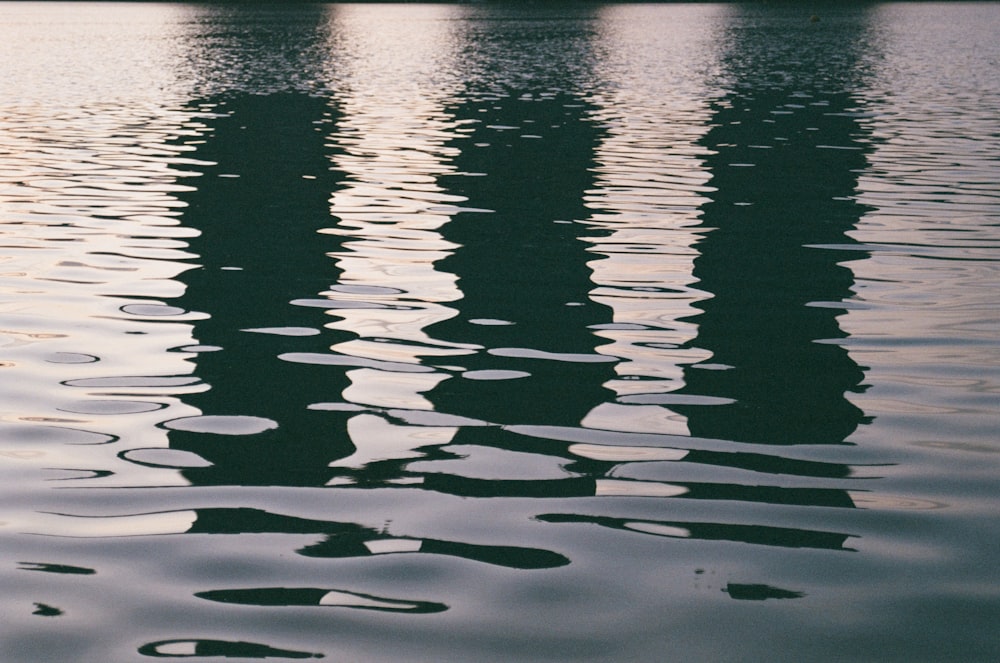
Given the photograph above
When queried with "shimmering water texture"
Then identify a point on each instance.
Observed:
(499, 333)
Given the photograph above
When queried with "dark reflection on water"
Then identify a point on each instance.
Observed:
(218, 648)
(309, 596)
(259, 209)
(522, 269)
(355, 540)
(784, 537)
(759, 592)
(45, 610)
(786, 150)
(55, 568)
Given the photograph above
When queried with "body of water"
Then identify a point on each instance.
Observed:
(499, 333)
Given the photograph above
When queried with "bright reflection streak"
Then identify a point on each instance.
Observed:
(392, 148)
(644, 221)
(626, 454)
(91, 250)
(385, 546)
(370, 387)
(376, 440)
(926, 312)
(619, 488)
(145, 524)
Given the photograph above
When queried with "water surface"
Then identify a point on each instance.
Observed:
(454, 332)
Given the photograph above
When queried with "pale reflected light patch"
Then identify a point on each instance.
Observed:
(112, 407)
(620, 488)
(222, 424)
(529, 353)
(152, 310)
(635, 419)
(336, 407)
(347, 360)
(156, 383)
(376, 439)
(659, 529)
(490, 322)
(21, 454)
(362, 289)
(893, 502)
(159, 457)
(626, 454)
(71, 358)
(349, 600)
(179, 648)
(958, 446)
(200, 348)
(52, 420)
(393, 144)
(405, 352)
(385, 546)
(52, 434)
(284, 331)
(651, 184)
(146, 524)
(495, 374)
(384, 389)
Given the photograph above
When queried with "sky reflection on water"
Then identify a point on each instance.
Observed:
(452, 331)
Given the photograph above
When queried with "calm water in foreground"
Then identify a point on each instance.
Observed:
(473, 333)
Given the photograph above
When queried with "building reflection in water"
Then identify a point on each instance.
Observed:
(320, 234)
(785, 150)
(725, 314)
(446, 325)
(258, 210)
(527, 156)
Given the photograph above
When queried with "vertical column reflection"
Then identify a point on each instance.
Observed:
(464, 279)
(258, 210)
(527, 158)
(785, 156)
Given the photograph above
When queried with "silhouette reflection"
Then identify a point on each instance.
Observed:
(785, 537)
(340, 539)
(312, 596)
(785, 150)
(354, 540)
(587, 487)
(399, 288)
(181, 648)
(526, 157)
(759, 592)
(258, 211)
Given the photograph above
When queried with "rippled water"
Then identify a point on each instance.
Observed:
(473, 332)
